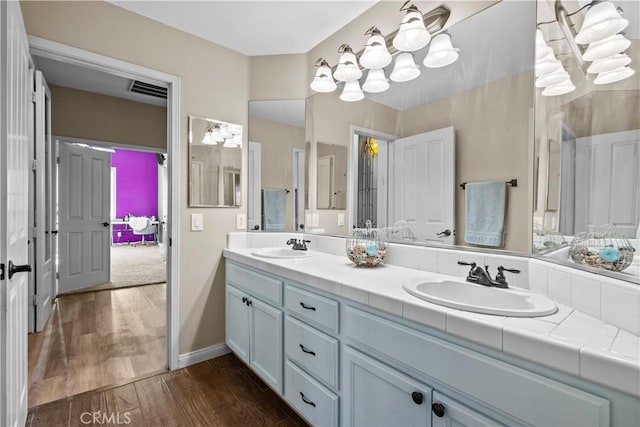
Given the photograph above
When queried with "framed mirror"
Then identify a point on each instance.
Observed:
(215, 163)
(412, 146)
(277, 190)
(587, 147)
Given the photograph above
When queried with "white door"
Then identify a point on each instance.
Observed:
(43, 219)
(607, 174)
(298, 189)
(84, 216)
(325, 182)
(423, 171)
(15, 103)
(254, 210)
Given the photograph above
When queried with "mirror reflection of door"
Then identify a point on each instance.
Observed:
(196, 182)
(326, 181)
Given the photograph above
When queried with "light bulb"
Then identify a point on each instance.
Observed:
(405, 68)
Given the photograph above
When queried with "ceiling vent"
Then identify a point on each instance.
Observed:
(148, 89)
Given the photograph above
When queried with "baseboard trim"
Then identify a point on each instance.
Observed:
(191, 358)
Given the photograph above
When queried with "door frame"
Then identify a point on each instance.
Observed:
(352, 168)
(298, 156)
(68, 54)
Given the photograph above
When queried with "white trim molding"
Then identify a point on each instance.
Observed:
(71, 55)
(211, 352)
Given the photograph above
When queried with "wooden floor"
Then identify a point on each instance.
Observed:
(98, 339)
(219, 392)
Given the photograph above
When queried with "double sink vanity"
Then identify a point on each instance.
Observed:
(400, 346)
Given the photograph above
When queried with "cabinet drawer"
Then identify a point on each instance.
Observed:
(318, 405)
(493, 382)
(264, 287)
(316, 309)
(315, 351)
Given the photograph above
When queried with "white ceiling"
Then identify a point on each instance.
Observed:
(289, 111)
(254, 27)
(81, 78)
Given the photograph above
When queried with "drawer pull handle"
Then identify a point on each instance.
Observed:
(307, 401)
(307, 307)
(417, 397)
(438, 409)
(303, 348)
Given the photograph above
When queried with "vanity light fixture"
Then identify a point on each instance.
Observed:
(559, 89)
(376, 81)
(606, 47)
(552, 79)
(548, 65)
(610, 63)
(412, 34)
(212, 135)
(602, 20)
(323, 81)
(405, 68)
(348, 69)
(352, 92)
(614, 75)
(376, 55)
(441, 52)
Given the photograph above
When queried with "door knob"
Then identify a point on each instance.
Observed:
(446, 233)
(105, 224)
(256, 227)
(13, 269)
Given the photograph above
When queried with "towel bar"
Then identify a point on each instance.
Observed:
(513, 183)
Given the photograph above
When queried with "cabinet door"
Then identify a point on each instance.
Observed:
(377, 395)
(266, 343)
(238, 323)
(450, 413)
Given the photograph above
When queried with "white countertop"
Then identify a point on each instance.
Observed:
(568, 341)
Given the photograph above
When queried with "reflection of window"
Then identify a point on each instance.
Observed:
(113, 192)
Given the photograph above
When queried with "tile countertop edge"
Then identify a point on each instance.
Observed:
(573, 355)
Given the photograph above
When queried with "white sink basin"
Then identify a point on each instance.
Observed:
(281, 253)
(481, 299)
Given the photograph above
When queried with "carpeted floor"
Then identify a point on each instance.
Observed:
(134, 266)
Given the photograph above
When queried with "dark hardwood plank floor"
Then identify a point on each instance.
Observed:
(98, 339)
(219, 392)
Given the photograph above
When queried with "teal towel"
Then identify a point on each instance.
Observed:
(274, 209)
(485, 210)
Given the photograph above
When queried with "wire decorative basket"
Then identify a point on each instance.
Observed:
(367, 246)
(603, 248)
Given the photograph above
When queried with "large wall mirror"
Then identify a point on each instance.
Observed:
(215, 163)
(587, 151)
(278, 153)
(410, 148)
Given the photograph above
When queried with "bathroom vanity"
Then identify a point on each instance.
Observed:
(349, 346)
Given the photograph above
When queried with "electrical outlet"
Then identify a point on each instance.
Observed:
(241, 221)
(340, 219)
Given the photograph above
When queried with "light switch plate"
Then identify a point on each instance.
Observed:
(241, 221)
(197, 222)
(340, 219)
(315, 220)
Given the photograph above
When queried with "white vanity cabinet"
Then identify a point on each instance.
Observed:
(254, 328)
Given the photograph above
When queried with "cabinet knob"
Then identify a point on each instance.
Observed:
(417, 397)
(438, 409)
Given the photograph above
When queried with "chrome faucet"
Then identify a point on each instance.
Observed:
(298, 245)
(482, 276)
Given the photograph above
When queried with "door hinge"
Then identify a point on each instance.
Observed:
(1, 271)
(34, 164)
(170, 241)
(34, 300)
(34, 97)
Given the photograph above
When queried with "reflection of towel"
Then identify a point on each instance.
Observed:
(485, 209)
(274, 209)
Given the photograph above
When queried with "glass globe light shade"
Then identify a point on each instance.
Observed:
(376, 81)
(352, 92)
(412, 34)
(375, 53)
(551, 79)
(540, 41)
(543, 52)
(441, 52)
(614, 76)
(601, 21)
(606, 47)
(610, 63)
(323, 81)
(347, 70)
(559, 89)
(547, 66)
(405, 68)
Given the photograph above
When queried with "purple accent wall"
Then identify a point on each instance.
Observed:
(136, 189)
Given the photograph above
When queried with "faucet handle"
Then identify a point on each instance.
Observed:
(510, 270)
(471, 264)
